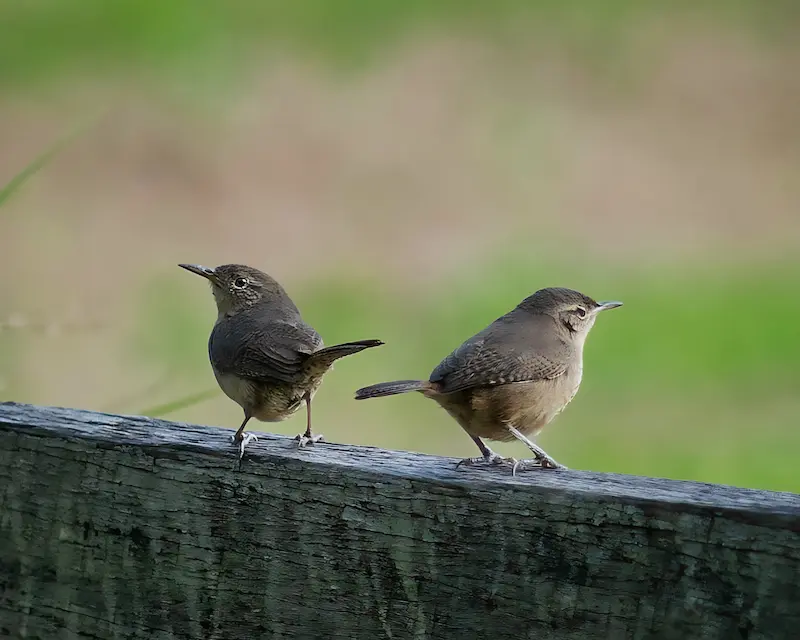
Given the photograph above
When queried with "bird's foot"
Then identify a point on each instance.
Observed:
(492, 459)
(243, 441)
(545, 462)
(305, 439)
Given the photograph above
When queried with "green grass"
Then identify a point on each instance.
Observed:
(695, 377)
(55, 37)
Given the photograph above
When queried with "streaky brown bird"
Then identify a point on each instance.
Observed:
(511, 379)
(264, 356)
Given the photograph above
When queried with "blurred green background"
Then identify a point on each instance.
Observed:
(410, 171)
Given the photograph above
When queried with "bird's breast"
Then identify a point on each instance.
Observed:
(264, 401)
(574, 376)
(240, 390)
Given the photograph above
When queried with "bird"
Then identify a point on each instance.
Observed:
(263, 355)
(512, 378)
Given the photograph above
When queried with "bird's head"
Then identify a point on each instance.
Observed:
(237, 287)
(573, 310)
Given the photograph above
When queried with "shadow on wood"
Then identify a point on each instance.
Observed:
(126, 527)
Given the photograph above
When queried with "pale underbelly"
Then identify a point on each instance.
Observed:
(263, 401)
(528, 407)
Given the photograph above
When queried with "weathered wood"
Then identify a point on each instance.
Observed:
(126, 527)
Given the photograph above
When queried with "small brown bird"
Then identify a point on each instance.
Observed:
(515, 376)
(264, 357)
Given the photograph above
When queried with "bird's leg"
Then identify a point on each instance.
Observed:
(488, 456)
(307, 437)
(243, 438)
(541, 460)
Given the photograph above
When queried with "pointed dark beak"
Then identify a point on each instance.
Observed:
(200, 270)
(611, 304)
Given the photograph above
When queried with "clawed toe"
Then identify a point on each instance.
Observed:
(490, 460)
(536, 463)
(243, 441)
(303, 440)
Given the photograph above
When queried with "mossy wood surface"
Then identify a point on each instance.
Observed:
(127, 527)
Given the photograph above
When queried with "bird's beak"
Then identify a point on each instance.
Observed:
(611, 304)
(200, 270)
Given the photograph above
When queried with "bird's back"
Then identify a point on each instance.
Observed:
(263, 342)
(516, 347)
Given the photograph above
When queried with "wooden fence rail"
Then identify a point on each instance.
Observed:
(126, 527)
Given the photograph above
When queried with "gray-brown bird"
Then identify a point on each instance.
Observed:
(511, 379)
(264, 357)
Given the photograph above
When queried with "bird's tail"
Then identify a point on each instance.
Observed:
(324, 358)
(391, 388)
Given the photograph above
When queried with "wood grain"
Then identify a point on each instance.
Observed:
(126, 527)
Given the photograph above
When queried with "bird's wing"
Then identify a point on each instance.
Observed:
(501, 354)
(275, 351)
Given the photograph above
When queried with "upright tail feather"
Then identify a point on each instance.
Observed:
(391, 388)
(326, 357)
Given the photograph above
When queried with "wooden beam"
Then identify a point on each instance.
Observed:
(127, 527)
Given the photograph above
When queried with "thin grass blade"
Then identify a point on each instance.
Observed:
(13, 185)
(176, 405)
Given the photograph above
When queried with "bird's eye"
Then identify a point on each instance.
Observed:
(580, 311)
(240, 283)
